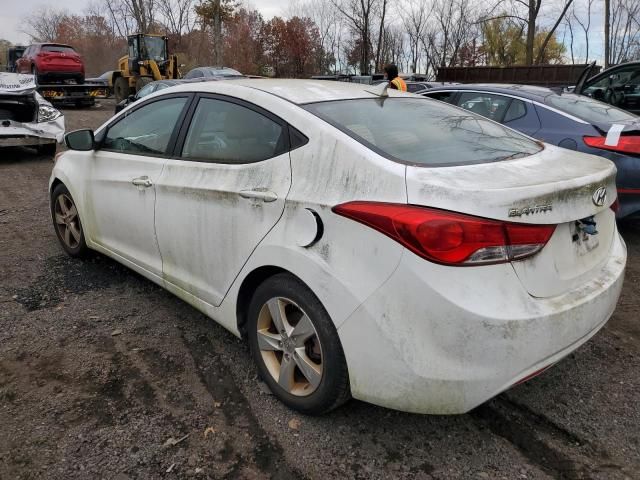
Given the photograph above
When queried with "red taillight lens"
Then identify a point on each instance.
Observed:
(626, 144)
(447, 237)
(615, 206)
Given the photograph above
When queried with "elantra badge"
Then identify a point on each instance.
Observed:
(532, 210)
(599, 196)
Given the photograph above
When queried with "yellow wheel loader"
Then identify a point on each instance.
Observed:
(148, 60)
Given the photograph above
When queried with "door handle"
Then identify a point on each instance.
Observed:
(142, 182)
(259, 194)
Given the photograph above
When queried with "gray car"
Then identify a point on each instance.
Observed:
(571, 121)
(210, 72)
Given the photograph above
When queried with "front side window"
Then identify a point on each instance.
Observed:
(146, 130)
(424, 132)
(226, 132)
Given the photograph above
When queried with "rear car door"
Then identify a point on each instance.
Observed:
(121, 191)
(220, 195)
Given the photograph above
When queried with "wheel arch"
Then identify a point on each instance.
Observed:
(248, 287)
(56, 181)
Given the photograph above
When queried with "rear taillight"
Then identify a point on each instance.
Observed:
(450, 238)
(615, 206)
(626, 144)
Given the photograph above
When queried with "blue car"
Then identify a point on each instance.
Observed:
(571, 121)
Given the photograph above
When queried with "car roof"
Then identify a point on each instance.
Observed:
(530, 92)
(298, 91)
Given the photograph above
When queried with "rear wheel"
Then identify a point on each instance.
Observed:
(66, 222)
(121, 89)
(80, 79)
(296, 346)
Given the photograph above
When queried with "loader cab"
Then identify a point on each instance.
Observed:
(144, 48)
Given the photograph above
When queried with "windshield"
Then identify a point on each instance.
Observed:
(152, 48)
(424, 131)
(588, 109)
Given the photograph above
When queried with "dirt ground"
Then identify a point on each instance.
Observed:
(105, 375)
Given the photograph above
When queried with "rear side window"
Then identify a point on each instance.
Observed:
(424, 132)
(485, 104)
(226, 132)
(442, 96)
(516, 110)
(588, 109)
(57, 49)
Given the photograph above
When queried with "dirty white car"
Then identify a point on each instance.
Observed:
(391, 248)
(26, 118)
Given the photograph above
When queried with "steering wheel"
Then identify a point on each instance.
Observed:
(612, 97)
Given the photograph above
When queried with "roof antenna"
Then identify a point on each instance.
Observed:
(380, 90)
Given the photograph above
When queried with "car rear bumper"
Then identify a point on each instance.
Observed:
(443, 340)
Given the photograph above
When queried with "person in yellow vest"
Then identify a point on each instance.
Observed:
(395, 82)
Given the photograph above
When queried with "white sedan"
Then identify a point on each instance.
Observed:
(367, 244)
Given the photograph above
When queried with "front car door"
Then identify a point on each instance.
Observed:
(619, 87)
(221, 195)
(121, 191)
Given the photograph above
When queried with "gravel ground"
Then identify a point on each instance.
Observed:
(105, 375)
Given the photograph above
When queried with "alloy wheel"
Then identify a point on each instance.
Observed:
(67, 221)
(290, 346)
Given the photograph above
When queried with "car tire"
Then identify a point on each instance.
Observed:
(306, 370)
(66, 222)
(141, 82)
(80, 79)
(48, 149)
(121, 89)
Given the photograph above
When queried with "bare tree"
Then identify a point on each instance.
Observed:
(585, 25)
(43, 24)
(415, 20)
(625, 30)
(358, 14)
(177, 15)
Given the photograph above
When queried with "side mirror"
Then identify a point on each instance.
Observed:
(81, 140)
(131, 98)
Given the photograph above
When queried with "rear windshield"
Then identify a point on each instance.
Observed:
(57, 48)
(588, 109)
(424, 131)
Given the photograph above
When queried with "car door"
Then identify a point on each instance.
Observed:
(121, 191)
(220, 195)
(618, 86)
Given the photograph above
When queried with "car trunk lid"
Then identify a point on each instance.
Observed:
(554, 186)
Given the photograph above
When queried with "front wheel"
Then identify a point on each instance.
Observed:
(296, 347)
(66, 222)
(121, 89)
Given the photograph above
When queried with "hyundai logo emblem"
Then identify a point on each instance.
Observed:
(599, 196)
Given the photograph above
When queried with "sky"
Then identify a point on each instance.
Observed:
(14, 12)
